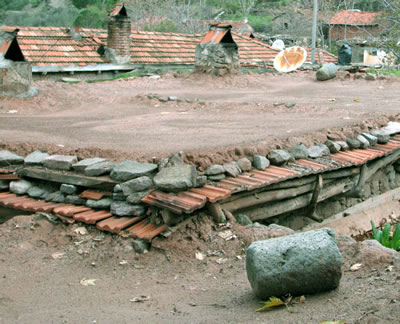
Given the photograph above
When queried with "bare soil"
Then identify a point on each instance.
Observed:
(229, 118)
(43, 267)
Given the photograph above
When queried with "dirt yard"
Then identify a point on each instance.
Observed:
(43, 267)
(233, 115)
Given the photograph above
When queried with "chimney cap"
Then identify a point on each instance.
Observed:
(119, 10)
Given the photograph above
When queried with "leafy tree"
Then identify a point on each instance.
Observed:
(91, 17)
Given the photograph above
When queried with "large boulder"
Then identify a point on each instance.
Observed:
(326, 72)
(298, 264)
(177, 178)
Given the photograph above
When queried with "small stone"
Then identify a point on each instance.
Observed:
(382, 138)
(56, 197)
(364, 143)
(232, 169)
(334, 147)
(36, 192)
(140, 246)
(290, 104)
(60, 162)
(83, 164)
(135, 198)
(243, 220)
(9, 158)
(176, 178)
(75, 200)
(317, 151)
(244, 164)
(99, 169)
(343, 145)
(299, 152)
(163, 99)
(201, 181)
(353, 143)
(370, 77)
(217, 177)
(117, 188)
(68, 189)
(118, 196)
(35, 158)
(260, 162)
(135, 185)
(20, 187)
(128, 170)
(215, 169)
(172, 98)
(373, 140)
(279, 157)
(122, 208)
(103, 203)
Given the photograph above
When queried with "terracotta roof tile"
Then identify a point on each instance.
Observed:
(363, 18)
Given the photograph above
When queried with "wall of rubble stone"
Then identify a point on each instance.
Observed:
(217, 59)
(15, 77)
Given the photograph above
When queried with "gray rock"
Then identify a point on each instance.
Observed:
(172, 98)
(75, 200)
(390, 129)
(122, 208)
(60, 162)
(260, 162)
(140, 246)
(118, 196)
(343, 145)
(4, 184)
(232, 169)
(135, 198)
(37, 192)
(317, 151)
(290, 104)
(370, 77)
(353, 143)
(299, 152)
(99, 169)
(9, 158)
(20, 187)
(298, 264)
(364, 143)
(333, 147)
(135, 185)
(279, 157)
(215, 169)
(326, 72)
(217, 177)
(57, 197)
(117, 188)
(103, 203)
(244, 164)
(35, 158)
(175, 160)
(163, 99)
(382, 138)
(180, 177)
(68, 189)
(83, 164)
(373, 140)
(201, 181)
(243, 220)
(128, 170)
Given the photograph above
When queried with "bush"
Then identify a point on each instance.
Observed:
(383, 236)
(91, 17)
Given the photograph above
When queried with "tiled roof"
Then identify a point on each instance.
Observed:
(46, 46)
(357, 18)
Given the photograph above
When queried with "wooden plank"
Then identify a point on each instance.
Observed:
(68, 178)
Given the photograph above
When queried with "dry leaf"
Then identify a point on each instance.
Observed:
(331, 99)
(356, 100)
(140, 299)
(272, 302)
(88, 282)
(356, 267)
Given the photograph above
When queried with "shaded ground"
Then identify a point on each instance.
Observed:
(116, 120)
(42, 265)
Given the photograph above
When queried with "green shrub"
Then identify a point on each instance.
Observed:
(383, 236)
(91, 17)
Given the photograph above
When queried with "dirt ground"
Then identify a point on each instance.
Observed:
(43, 268)
(233, 116)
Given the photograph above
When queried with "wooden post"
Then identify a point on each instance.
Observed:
(217, 213)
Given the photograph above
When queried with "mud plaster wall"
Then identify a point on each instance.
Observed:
(384, 180)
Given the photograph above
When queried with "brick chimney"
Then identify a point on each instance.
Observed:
(119, 36)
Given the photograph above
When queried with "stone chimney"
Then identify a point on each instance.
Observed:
(119, 36)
